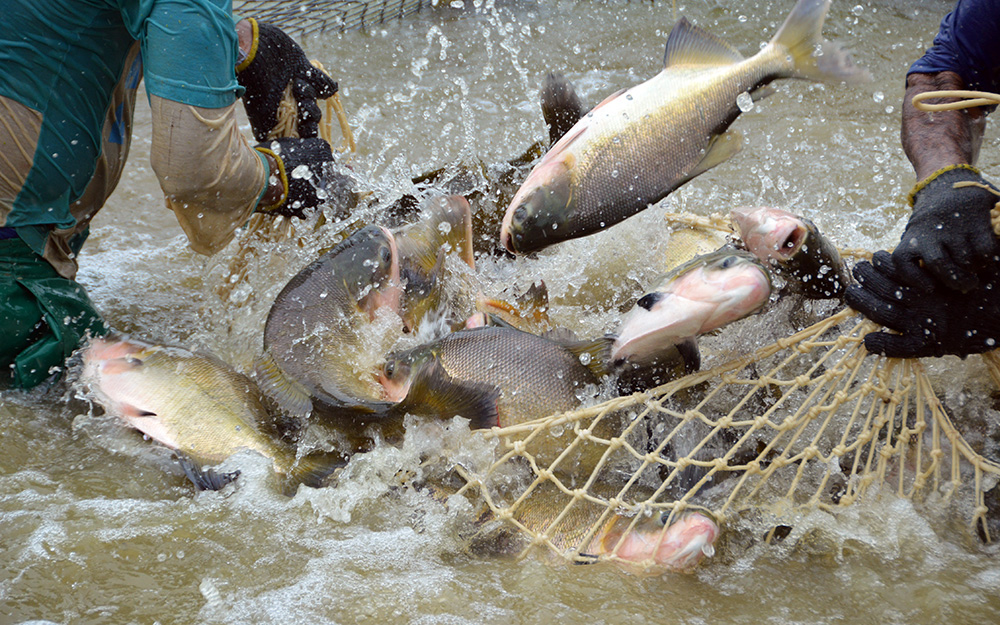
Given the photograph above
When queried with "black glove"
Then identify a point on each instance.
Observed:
(949, 229)
(274, 61)
(933, 323)
(305, 169)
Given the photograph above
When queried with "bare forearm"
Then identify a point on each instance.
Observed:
(936, 140)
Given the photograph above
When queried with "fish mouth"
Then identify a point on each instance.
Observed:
(541, 209)
(680, 547)
(771, 233)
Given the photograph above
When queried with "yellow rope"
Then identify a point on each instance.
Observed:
(970, 99)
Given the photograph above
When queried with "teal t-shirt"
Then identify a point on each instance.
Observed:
(64, 58)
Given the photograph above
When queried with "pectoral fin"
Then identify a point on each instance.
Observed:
(720, 149)
(204, 479)
(435, 393)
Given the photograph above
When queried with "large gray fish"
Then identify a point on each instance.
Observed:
(196, 405)
(796, 248)
(641, 143)
(494, 376)
(315, 332)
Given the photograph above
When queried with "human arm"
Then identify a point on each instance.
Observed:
(949, 231)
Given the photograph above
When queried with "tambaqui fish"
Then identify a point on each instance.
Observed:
(641, 143)
(196, 405)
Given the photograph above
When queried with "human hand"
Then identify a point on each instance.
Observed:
(931, 322)
(949, 231)
(275, 60)
(304, 171)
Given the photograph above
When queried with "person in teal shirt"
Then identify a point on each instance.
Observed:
(69, 72)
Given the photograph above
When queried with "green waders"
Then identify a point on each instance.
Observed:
(44, 317)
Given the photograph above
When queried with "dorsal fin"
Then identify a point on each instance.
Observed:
(689, 45)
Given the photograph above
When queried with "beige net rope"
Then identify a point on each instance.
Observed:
(812, 421)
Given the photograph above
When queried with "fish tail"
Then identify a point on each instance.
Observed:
(314, 469)
(813, 57)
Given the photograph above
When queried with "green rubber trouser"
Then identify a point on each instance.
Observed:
(44, 317)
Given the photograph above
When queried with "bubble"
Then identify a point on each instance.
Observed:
(745, 102)
(878, 96)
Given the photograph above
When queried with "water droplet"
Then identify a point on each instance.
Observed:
(585, 358)
(878, 96)
(745, 102)
(444, 227)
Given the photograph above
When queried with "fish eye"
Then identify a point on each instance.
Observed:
(132, 360)
(729, 261)
(386, 254)
(389, 369)
(520, 213)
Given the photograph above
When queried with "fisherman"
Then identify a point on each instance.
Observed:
(69, 74)
(940, 287)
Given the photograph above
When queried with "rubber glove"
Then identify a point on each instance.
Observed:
(305, 169)
(932, 322)
(949, 230)
(275, 61)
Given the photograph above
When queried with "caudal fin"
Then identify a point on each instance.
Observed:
(813, 57)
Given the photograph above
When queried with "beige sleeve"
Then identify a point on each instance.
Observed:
(210, 175)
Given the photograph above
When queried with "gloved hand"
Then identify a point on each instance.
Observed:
(305, 170)
(274, 61)
(933, 323)
(949, 229)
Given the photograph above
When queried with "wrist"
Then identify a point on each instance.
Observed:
(276, 190)
(248, 34)
(961, 171)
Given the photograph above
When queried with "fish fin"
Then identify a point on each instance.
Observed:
(315, 468)
(595, 354)
(689, 45)
(204, 479)
(420, 241)
(286, 393)
(720, 149)
(496, 321)
(801, 35)
(561, 107)
(434, 392)
(688, 349)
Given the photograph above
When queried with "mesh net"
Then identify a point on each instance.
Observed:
(317, 16)
(811, 421)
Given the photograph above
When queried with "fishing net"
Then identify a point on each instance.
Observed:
(811, 421)
(318, 16)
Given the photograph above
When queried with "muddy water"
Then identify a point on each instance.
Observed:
(97, 526)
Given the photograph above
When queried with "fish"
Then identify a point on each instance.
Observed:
(495, 376)
(196, 405)
(696, 297)
(317, 338)
(640, 144)
(651, 545)
(445, 227)
(795, 247)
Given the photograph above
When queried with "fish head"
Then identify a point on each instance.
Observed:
(795, 246)
(679, 547)
(129, 379)
(372, 268)
(772, 234)
(540, 213)
(702, 295)
(396, 374)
